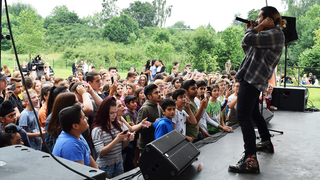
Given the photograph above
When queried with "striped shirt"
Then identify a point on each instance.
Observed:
(100, 139)
(262, 54)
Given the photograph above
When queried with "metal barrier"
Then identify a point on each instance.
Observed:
(299, 70)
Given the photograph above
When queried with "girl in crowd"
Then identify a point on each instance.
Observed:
(6, 71)
(119, 91)
(146, 70)
(142, 81)
(109, 138)
(130, 89)
(176, 83)
(36, 86)
(81, 77)
(42, 78)
(54, 128)
(141, 98)
(153, 70)
(10, 136)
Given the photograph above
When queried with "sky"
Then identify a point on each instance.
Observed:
(220, 13)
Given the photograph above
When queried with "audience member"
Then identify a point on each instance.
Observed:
(164, 125)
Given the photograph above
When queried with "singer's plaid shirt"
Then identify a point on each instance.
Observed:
(262, 54)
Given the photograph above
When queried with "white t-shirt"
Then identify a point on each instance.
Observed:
(85, 68)
(180, 120)
(231, 98)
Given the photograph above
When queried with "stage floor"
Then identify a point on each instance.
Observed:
(296, 156)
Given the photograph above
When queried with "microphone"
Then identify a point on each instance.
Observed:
(245, 21)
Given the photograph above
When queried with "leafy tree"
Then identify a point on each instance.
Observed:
(310, 57)
(232, 38)
(17, 7)
(142, 12)
(162, 35)
(180, 24)
(163, 12)
(118, 29)
(109, 9)
(95, 21)
(297, 8)
(32, 33)
(306, 25)
(62, 16)
(160, 50)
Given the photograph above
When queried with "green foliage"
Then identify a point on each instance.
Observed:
(118, 29)
(305, 27)
(160, 50)
(297, 8)
(62, 16)
(162, 35)
(310, 57)
(30, 41)
(95, 21)
(142, 12)
(109, 9)
(17, 7)
(180, 25)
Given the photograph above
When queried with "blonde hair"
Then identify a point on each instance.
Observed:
(158, 81)
(25, 96)
(220, 81)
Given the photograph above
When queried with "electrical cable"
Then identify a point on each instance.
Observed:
(24, 83)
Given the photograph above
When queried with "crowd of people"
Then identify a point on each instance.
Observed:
(103, 120)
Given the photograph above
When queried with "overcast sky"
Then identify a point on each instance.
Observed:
(220, 13)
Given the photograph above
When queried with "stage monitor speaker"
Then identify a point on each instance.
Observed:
(21, 162)
(290, 98)
(290, 31)
(167, 157)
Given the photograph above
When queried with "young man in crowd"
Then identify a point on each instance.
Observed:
(191, 92)
(187, 69)
(181, 116)
(7, 116)
(71, 144)
(112, 72)
(94, 79)
(164, 125)
(14, 98)
(151, 110)
(28, 120)
(131, 77)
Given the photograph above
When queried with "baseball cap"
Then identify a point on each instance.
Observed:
(3, 76)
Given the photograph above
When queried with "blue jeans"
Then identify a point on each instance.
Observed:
(113, 170)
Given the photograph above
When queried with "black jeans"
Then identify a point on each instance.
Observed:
(248, 110)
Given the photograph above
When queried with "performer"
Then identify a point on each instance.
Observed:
(263, 47)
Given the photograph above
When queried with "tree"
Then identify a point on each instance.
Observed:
(109, 9)
(297, 8)
(161, 50)
(232, 38)
(142, 12)
(62, 16)
(31, 39)
(118, 29)
(306, 25)
(180, 25)
(161, 35)
(310, 57)
(162, 12)
(95, 21)
(17, 8)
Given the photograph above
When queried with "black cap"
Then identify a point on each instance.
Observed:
(6, 107)
(129, 98)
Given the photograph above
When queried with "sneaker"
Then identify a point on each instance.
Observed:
(265, 146)
(247, 164)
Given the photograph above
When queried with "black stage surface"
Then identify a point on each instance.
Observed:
(297, 152)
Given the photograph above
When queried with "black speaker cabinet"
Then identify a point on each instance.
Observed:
(21, 162)
(290, 31)
(166, 157)
(290, 98)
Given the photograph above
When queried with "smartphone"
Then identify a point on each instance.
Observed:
(202, 96)
(112, 80)
(169, 84)
(13, 87)
(209, 90)
(125, 132)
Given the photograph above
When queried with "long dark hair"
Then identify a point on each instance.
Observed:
(102, 119)
(148, 65)
(54, 91)
(63, 100)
